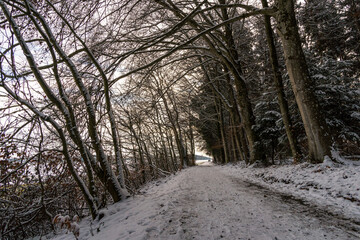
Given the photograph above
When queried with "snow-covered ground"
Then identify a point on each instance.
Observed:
(333, 186)
(233, 202)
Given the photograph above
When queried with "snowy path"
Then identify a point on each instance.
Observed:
(206, 202)
(211, 205)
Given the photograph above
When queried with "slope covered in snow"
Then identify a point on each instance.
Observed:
(227, 202)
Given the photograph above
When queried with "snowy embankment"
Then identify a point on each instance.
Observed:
(134, 218)
(335, 187)
(219, 202)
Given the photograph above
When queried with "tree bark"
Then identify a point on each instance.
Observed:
(222, 129)
(179, 142)
(247, 115)
(302, 84)
(283, 104)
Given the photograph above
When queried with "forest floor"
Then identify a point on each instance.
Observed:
(236, 202)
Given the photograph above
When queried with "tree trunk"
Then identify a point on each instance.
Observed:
(176, 130)
(192, 144)
(303, 86)
(222, 129)
(247, 115)
(172, 152)
(283, 104)
(236, 138)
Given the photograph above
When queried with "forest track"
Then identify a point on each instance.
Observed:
(210, 204)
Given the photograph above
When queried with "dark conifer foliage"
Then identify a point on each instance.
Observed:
(332, 36)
